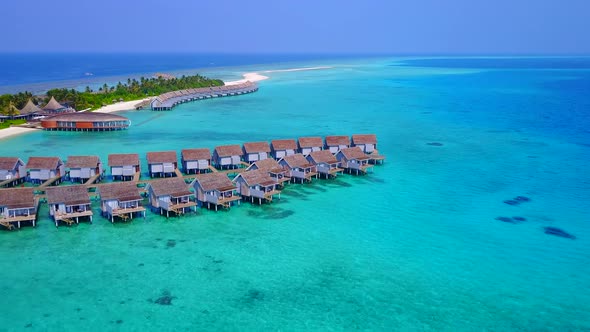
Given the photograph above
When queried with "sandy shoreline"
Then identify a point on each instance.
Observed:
(122, 106)
(12, 131)
(255, 77)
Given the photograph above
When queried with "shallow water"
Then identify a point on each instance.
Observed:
(414, 245)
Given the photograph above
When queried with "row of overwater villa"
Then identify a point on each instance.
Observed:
(255, 172)
(167, 101)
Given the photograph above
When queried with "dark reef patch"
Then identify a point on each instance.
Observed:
(522, 199)
(517, 200)
(171, 243)
(506, 219)
(559, 233)
(511, 202)
(164, 299)
(517, 218)
(434, 144)
(253, 296)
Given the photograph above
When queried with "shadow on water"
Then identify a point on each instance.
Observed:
(270, 213)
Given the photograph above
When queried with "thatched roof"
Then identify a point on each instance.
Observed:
(283, 144)
(162, 157)
(228, 150)
(196, 154)
(354, 153)
(70, 195)
(121, 191)
(259, 176)
(9, 163)
(125, 159)
(269, 165)
(82, 161)
(297, 160)
(364, 139)
(53, 105)
(174, 187)
(43, 163)
(310, 142)
(17, 198)
(30, 108)
(323, 156)
(214, 181)
(254, 147)
(337, 140)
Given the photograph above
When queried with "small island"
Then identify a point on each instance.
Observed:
(17, 108)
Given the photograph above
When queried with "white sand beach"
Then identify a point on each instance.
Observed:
(122, 106)
(12, 131)
(255, 77)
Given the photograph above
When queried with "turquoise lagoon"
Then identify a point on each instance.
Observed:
(415, 245)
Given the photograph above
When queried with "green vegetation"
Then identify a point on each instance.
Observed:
(131, 90)
(8, 123)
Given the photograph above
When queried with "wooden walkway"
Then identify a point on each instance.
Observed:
(92, 180)
(49, 182)
(9, 181)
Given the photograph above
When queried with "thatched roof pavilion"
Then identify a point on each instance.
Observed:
(53, 105)
(30, 109)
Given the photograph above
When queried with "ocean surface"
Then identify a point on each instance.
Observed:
(415, 245)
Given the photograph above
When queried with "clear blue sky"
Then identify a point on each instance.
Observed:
(284, 26)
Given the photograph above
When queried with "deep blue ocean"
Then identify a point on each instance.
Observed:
(28, 71)
(478, 220)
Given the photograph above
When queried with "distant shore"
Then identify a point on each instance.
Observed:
(130, 105)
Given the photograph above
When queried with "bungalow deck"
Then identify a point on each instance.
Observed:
(9, 222)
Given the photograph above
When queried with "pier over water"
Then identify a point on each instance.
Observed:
(167, 101)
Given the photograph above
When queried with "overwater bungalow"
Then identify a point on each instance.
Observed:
(195, 160)
(170, 195)
(83, 168)
(17, 205)
(353, 160)
(368, 143)
(124, 166)
(325, 162)
(12, 170)
(272, 167)
(283, 147)
(299, 168)
(256, 184)
(42, 169)
(255, 151)
(162, 163)
(337, 143)
(215, 189)
(227, 156)
(308, 145)
(121, 200)
(69, 204)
